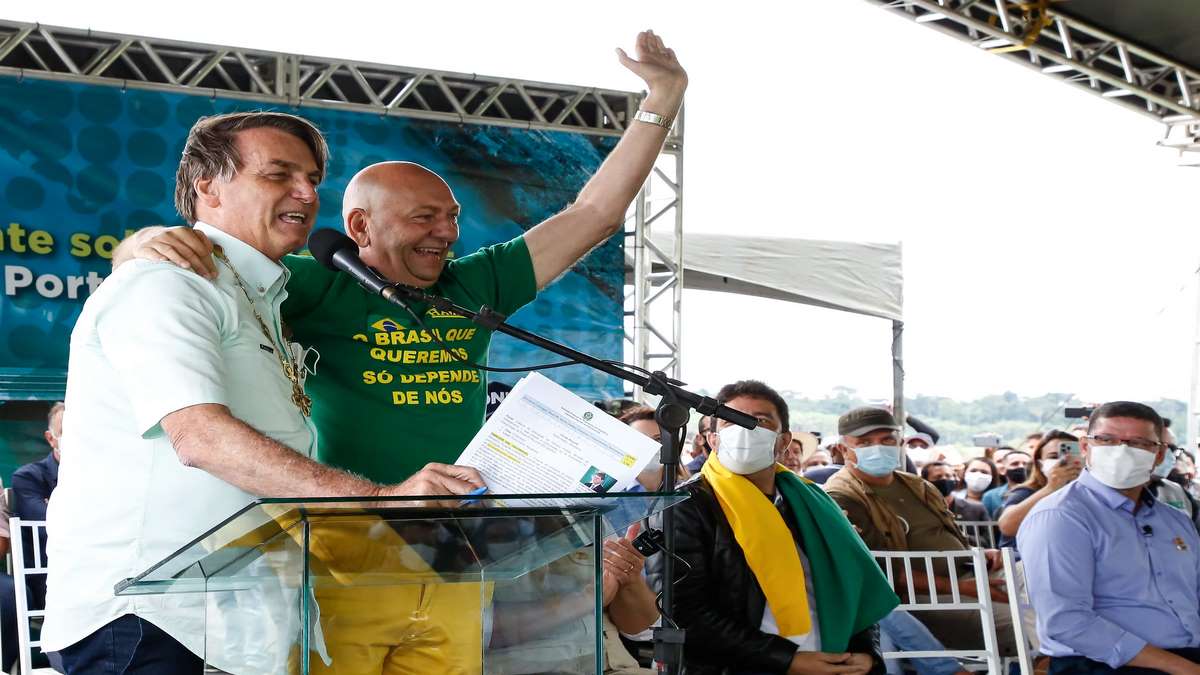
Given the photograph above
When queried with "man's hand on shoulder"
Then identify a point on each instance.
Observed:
(186, 247)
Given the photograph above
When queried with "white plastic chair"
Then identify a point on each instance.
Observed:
(982, 532)
(923, 561)
(20, 574)
(1018, 602)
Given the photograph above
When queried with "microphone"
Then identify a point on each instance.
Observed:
(339, 252)
(1147, 531)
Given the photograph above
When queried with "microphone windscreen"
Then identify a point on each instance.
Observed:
(324, 243)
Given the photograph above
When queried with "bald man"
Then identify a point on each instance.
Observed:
(391, 391)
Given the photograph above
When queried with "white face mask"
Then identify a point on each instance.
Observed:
(744, 451)
(919, 455)
(1121, 467)
(977, 481)
(1048, 466)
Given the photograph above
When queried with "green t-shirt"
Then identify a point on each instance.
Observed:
(387, 397)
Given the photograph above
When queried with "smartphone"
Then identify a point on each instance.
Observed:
(986, 440)
(1068, 448)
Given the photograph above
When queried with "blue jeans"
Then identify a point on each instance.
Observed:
(132, 645)
(902, 632)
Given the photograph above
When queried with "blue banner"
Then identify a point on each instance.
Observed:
(82, 166)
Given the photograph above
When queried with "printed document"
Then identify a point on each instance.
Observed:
(545, 439)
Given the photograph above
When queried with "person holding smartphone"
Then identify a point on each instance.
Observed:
(1056, 462)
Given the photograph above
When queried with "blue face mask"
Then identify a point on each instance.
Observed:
(878, 460)
(1168, 463)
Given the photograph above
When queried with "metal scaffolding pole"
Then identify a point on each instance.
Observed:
(654, 283)
(1193, 420)
(898, 374)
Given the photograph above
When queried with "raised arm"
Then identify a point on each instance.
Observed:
(1013, 515)
(599, 210)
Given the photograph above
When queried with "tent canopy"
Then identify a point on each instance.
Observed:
(858, 277)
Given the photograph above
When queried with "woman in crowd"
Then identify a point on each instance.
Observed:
(642, 419)
(1051, 469)
(980, 476)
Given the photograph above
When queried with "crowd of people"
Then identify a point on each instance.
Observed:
(1101, 519)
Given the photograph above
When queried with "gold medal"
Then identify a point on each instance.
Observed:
(288, 364)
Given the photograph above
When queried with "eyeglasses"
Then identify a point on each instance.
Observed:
(1139, 443)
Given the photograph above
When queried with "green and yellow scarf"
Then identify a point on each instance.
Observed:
(851, 591)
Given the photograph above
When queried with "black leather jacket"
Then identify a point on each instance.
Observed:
(719, 602)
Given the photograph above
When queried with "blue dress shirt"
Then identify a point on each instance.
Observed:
(1106, 581)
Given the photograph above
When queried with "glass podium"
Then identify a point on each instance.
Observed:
(507, 585)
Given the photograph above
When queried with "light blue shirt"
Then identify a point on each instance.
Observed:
(155, 339)
(1106, 581)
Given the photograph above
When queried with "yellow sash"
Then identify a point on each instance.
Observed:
(767, 543)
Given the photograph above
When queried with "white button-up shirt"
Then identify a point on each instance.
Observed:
(155, 339)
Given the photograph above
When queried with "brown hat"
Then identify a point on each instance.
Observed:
(864, 420)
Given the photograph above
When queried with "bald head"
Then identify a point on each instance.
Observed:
(384, 181)
(404, 219)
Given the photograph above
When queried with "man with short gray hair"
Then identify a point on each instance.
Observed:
(898, 511)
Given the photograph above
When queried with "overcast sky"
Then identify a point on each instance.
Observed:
(1048, 243)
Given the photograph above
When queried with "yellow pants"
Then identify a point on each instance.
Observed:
(376, 615)
(401, 630)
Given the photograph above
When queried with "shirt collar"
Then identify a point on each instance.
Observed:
(1110, 496)
(260, 273)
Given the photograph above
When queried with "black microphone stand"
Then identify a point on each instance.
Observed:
(672, 414)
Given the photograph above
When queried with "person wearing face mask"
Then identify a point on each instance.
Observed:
(941, 476)
(897, 511)
(980, 475)
(1166, 485)
(777, 581)
(650, 479)
(1014, 470)
(1052, 468)
(919, 448)
(1114, 574)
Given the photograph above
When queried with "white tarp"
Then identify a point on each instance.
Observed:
(859, 277)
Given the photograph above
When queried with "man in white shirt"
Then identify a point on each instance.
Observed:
(187, 402)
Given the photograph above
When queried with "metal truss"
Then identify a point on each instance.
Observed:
(1033, 34)
(50, 52)
(654, 276)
